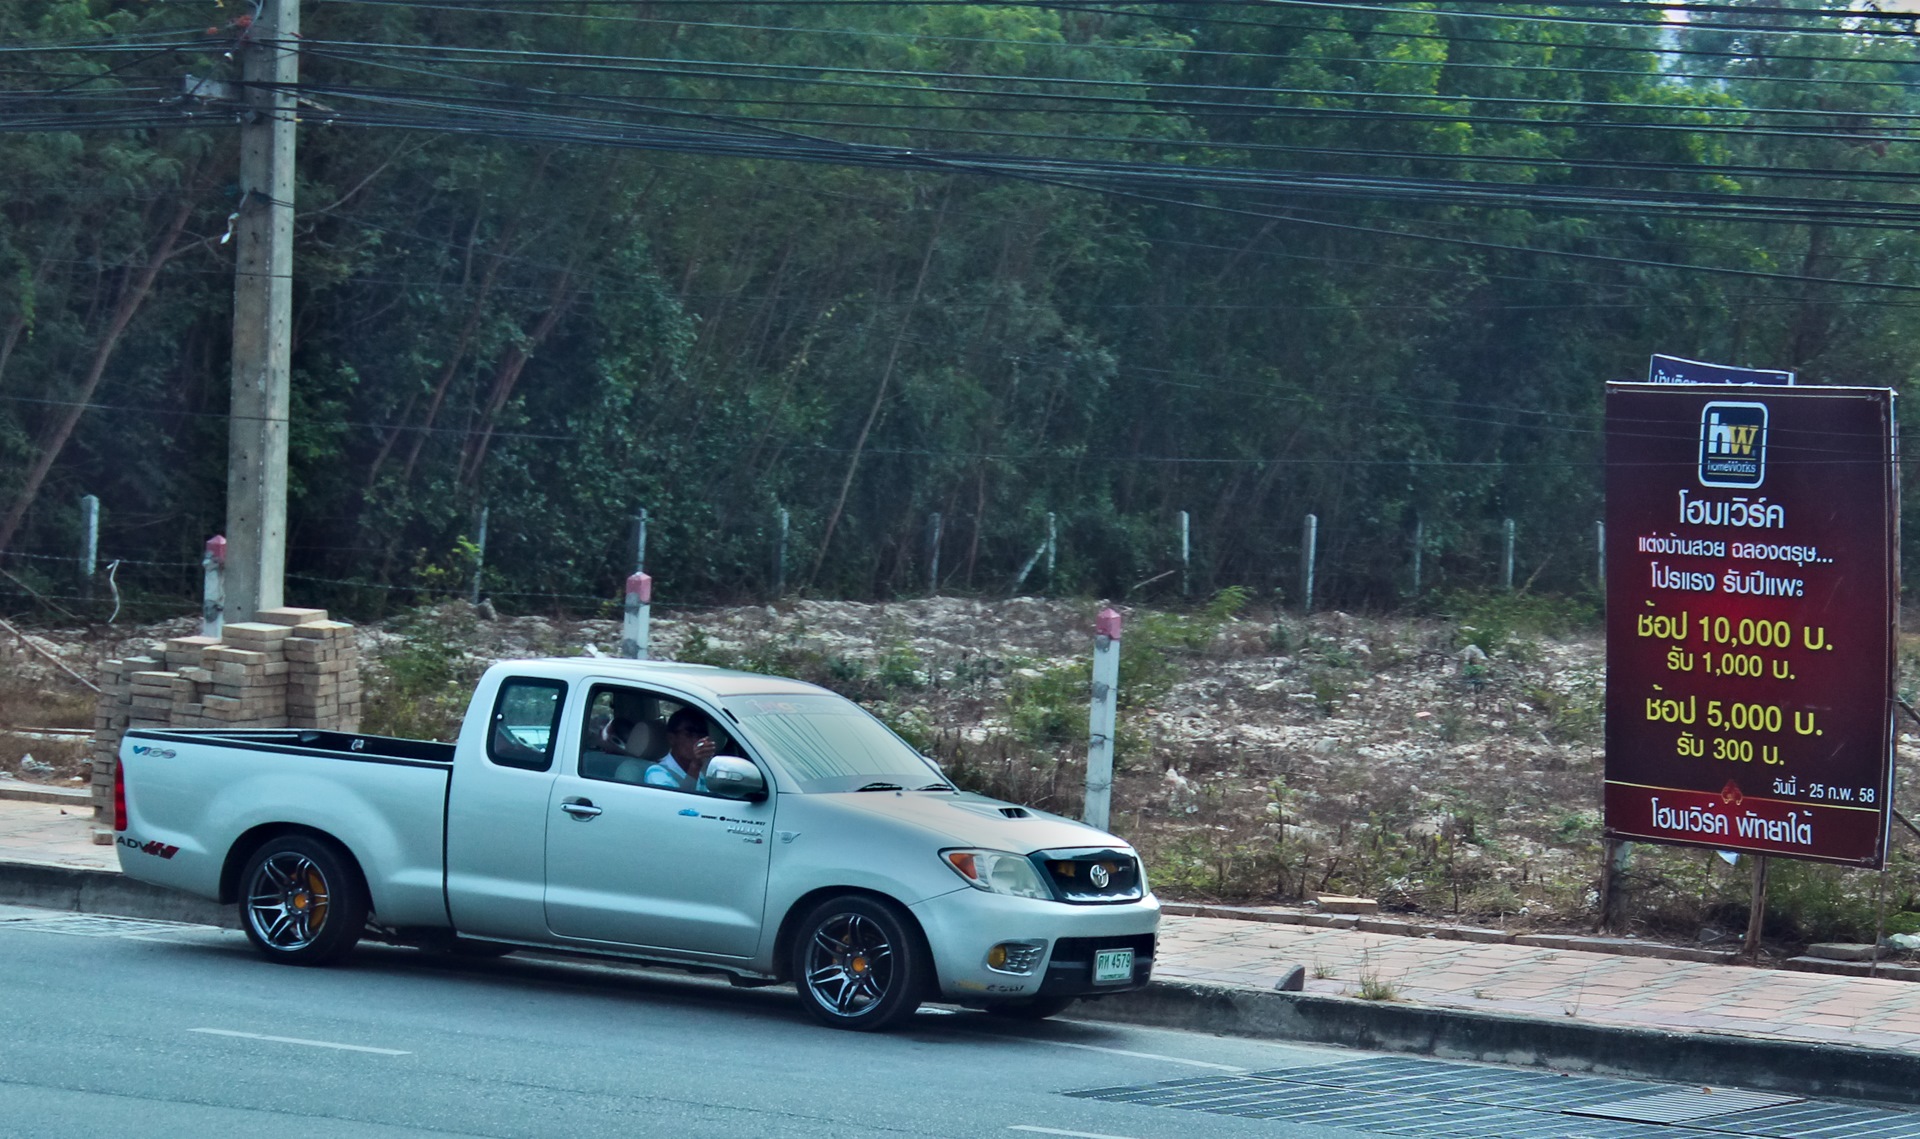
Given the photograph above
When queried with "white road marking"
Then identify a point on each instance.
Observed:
(1057, 1131)
(1135, 1055)
(304, 1043)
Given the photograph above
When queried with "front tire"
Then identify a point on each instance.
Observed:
(859, 964)
(301, 902)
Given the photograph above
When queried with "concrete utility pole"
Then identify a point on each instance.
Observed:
(262, 313)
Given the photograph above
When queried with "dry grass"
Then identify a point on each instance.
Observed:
(34, 696)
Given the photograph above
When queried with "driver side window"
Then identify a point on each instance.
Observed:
(638, 736)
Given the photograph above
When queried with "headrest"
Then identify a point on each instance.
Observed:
(647, 740)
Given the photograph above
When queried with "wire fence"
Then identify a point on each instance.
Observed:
(116, 584)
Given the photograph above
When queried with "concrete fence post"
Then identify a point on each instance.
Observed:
(89, 542)
(1506, 560)
(213, 592)
(1309, 543)
(1053, 549)
(1419, 547)
(479, 557)
(933, 554)
(1102, 718)
(1026, 567)
(636, 625)
(782, 523)
(1186, 555)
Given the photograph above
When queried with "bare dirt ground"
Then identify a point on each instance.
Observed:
(1445, 767)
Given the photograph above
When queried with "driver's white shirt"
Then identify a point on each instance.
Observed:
(669, 774)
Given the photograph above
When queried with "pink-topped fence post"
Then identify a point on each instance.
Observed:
(636, 627)
(1101, 719)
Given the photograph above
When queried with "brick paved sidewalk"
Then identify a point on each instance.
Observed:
(53, 834)
(1529, 981)
(1599, 988)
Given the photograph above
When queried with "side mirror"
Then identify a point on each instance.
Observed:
(730, 777)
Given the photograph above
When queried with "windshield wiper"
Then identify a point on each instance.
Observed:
(936, 787)
(881, 787)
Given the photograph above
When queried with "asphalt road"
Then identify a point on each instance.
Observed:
(115, 1026)
(111, 1026)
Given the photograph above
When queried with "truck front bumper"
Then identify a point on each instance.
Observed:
(1050, 947)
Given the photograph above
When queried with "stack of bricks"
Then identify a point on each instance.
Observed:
(249, 667)
(111, 718)
(151, 691)
(323, 675)
(288, 668)
(186, 658)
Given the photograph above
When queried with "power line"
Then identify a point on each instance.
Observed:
(1148, 93)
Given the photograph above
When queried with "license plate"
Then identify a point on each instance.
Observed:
(1112, 965)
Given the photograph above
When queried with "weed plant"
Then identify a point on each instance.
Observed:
(419, 688)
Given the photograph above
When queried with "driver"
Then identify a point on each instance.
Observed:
(689, 746)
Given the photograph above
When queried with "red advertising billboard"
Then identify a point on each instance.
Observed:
(1752, 584)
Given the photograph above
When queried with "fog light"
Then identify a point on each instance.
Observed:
(1017, 957)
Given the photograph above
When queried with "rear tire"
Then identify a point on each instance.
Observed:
(301, 902)
(1033, 1008)
(859, 964)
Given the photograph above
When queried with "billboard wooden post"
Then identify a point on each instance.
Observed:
(1756, 909)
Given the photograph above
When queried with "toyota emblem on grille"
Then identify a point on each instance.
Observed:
(1099, 876)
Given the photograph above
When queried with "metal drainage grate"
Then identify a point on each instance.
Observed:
(1815, 1120)
(1443, 1100)
(1382, 1114)
(1685, 1105)
(1469, 1083)
(91, 925)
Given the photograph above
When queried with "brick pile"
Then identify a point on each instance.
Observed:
(249, 688)
(323, 676)
(288, 668)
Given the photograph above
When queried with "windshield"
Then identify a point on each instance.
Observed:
(830, 744)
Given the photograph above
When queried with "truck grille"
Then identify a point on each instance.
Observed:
(1091, 877)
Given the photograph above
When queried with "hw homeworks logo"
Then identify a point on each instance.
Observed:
(1733, 444)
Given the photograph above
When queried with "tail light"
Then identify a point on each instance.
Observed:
(119, 796)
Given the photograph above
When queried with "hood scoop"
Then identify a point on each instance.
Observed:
(987, 808)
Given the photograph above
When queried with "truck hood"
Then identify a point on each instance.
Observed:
(974, 820)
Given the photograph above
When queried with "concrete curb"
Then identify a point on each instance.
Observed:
(40, 793)
(89, 891)
(1796, 1067)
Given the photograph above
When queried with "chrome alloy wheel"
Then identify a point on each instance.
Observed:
(850, 965)
(288, 901)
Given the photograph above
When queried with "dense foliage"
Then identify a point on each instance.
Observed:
(870, 262)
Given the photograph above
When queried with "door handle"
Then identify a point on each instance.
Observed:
(580, 808)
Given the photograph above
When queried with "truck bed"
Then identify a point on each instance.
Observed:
(194, 794)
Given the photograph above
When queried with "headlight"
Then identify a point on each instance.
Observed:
(997, 872)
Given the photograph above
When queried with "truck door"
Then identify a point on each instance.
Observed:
(497, 812)
(653, 867)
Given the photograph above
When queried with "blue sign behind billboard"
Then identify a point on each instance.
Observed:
(1674, 370)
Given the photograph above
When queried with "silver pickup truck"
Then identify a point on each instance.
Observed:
(815, 847)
